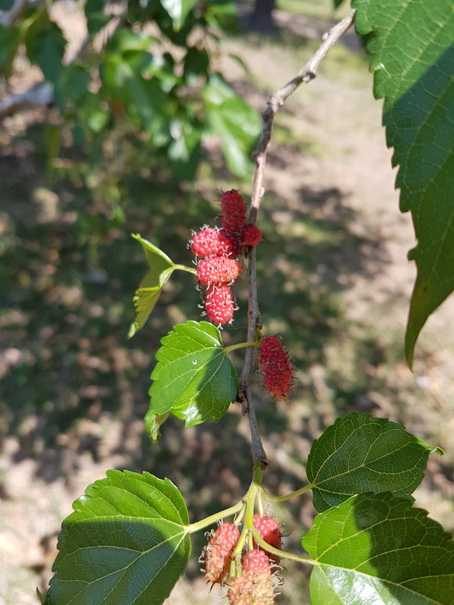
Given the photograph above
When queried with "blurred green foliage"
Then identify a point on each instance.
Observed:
(149, 64)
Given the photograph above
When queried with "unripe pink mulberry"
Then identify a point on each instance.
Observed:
(275, 365)
(254, 585)
(219, 304)
(270, 531)
(218, 270)
(218, 551)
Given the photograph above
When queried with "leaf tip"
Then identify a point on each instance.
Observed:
(409, 350)
(133, 329)
(411, 335)
(436, 448)
(153, 423)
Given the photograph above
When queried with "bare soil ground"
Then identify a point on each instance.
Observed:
(333, 265)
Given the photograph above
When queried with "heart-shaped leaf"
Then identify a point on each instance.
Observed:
(193, 379)
(377, 549)
(126, 542)
(360, 454)
(412, 50)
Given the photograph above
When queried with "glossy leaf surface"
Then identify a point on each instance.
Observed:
(126, 542)
(412, 50)
(360, 454)
(193, 379)
(376, 549)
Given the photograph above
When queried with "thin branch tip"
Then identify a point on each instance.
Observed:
(275, 102)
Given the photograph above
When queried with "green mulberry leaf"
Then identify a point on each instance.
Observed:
(147, 295)
(360, 454)
(377, 549)
(193, 379)
(411, 43)
(126, 542)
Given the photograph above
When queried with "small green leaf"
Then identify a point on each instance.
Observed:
(222, 15)
(45, 45)
(96, 18)
(9, 43)
(196, 64)
(144, 301)
(124, 82)
(163, 68)
(193, 379)
(178, 10)
(411, 44)
(240, 61)
(74, 82)
(94, 117)
(184, 150)
(147, 295)
(153, 423)
(238, 124)
(360, 454)
(126, 40)
(377, 549)
(125, 543)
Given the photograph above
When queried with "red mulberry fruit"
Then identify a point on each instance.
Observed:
(219, 304)
(217, 270)
(276, 368)
(233, 210)
(210, 241)
(251, 235)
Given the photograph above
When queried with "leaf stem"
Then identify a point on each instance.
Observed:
(185, 268)
(193, 527)
(257, 476)
(249, 505)
(241, 345)
(281, 553)
(250, 514)
(298, 492)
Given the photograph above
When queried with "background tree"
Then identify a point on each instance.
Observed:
(261, 18)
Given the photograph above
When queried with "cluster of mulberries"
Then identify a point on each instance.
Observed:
(219, 249)
(275, 366)
(254, 584)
